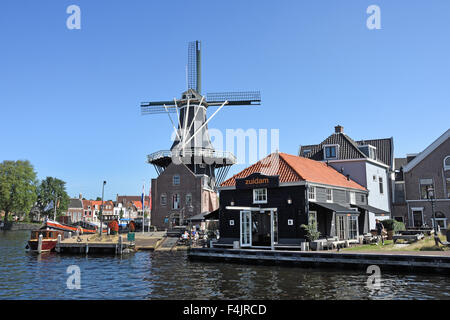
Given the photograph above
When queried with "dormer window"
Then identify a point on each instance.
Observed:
(369, 150)
(330, 151)
(306, 152)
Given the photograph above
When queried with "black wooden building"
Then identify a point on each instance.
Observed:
(266, 204)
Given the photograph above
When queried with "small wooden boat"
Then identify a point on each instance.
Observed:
(49, 240)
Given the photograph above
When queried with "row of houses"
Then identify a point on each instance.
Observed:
(341, 184)
(125, 207)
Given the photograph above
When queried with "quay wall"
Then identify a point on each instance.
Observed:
(433, 264)
(14, 226)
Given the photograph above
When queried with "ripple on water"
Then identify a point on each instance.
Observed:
(169, 275)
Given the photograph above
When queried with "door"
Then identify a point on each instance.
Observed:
(340, 225)
(246, 228)
(417, 218)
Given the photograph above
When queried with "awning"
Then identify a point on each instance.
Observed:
(334, 207)
(370, 208)
(213, 215)
(204, 216)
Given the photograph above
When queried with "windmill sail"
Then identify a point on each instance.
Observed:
(194, 66)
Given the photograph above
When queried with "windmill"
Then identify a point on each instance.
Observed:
(192, 145)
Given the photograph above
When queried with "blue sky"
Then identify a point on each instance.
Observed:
(69, 99)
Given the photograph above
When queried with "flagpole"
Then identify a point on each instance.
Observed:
(143, 208)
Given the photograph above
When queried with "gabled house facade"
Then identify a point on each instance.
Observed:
(75, 210)
(368, 162)
(178, 193)
(267, 203)
(431, 167)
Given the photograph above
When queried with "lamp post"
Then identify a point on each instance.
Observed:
(101, 209)
(432, 198)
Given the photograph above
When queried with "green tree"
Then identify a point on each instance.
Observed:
(17, 187)
(98, 199)
(51, 189)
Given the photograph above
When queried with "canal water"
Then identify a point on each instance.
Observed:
(169, 275)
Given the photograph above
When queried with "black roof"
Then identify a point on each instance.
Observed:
(349, 149)
(76, 203)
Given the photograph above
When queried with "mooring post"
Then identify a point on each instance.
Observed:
(70, 235)
(87, 248)
(120, 244)
(39, 249)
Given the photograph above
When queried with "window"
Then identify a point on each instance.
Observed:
(188, 199)
(447, 163)
(176, 201)
(163, 199)
(363, 198)
(306, 152)
(329, 195)
(380, 181)
(448, 188)
(313, 218)
(312, 193)
(330, 152)
(424, 185)
(352, 197)
(259, 195)
(176, 180)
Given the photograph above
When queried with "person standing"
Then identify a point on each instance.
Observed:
(380, 228)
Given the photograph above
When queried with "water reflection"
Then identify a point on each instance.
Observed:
(169, 275)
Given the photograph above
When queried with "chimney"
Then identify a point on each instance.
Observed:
(339, 129)
(80, 196)
(348, 177)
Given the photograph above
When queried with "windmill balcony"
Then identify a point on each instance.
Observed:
(218, 157)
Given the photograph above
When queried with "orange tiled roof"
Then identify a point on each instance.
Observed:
(138, 204)
(292, 168)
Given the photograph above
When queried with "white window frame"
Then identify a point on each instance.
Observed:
(381, 185)
(446, 167)
(189, 195)
(426, 182)
(329, 192)
(312, 191)
(419, 209)
(306, 152)
(314, 214)
(177, 177)
(177, 202)
(439, 219)
(325, 153)
(160, 199)
(256, 196)
(352, 197)
(447, 186)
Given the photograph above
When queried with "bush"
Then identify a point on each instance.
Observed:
(311, 231)
(393, 225)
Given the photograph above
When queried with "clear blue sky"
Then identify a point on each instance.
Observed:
(69, 99)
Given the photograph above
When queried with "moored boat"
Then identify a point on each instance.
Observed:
(53, 225)
(49, 240)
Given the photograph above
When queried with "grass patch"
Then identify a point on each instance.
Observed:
(426, 244)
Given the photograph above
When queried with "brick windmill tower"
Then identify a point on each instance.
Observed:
(190, 172)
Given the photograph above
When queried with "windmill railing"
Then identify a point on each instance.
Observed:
(224, 156)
